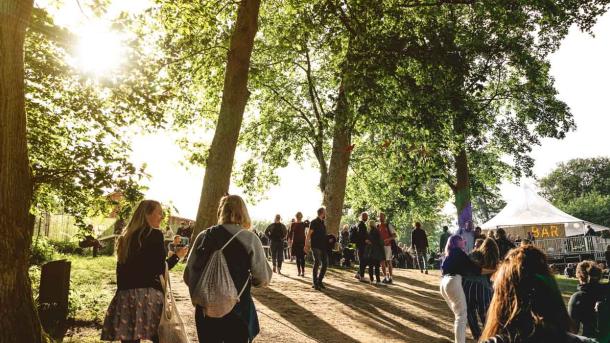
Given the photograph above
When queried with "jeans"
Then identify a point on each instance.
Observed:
(319, 258)
(478, 292)
(453, 293)
(374, 267)
(420, 258)
(277, 254)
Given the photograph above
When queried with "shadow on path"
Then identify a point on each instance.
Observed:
(301, 318)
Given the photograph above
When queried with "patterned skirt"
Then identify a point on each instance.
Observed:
(133, 314)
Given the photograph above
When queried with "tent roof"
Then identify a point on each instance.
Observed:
(529, 208)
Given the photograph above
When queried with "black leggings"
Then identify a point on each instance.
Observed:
(228, 329)
(277, 254)
(300, 262)
(374, 265)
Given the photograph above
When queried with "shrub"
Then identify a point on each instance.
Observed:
(41, 251)
(67, 247)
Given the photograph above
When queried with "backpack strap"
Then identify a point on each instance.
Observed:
(231, 239)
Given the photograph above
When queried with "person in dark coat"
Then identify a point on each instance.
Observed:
(359, 239)
(374, 251)
(277, 233)
(317, 242)
(443, 240)
(582, 303)
(504, 244)
(419, 243)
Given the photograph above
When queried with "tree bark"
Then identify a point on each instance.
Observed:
(462, 188)
(334, 193)
(234, 98)
(18, 318)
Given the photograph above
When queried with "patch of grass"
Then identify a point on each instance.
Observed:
(567, 286)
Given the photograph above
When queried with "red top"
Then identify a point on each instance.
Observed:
(385, 234)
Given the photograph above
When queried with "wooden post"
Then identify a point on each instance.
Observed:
(53, 297)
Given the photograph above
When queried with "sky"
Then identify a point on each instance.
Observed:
(580, 68)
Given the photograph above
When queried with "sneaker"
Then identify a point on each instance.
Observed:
(317, 287)
(426, 272)
(321, 285)
(384, 281)
(390, 282)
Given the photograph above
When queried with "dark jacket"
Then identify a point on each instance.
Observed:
(360, 235)
(375, 250)
(318, 237)
(504, 246)
(419, 240)
(276, 232)
(145, 262)
(582, 306)
(458, 263)
(443, 241)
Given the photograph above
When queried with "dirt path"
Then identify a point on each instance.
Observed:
(411, 310)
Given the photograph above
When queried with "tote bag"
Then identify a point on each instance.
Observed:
(171, 327)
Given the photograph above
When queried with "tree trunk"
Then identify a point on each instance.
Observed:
(462, 189)
(334, 193)
(18, 318)
(234, 98)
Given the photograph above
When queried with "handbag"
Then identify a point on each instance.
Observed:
(171, 328)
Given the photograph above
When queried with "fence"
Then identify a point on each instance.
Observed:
(574, 246)
(62, 227)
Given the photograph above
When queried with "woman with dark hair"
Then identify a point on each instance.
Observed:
(374, 251)
(582, 303)
(135, 311)
(527, 305)
(296, 239)
(456, 265)
(477, 288)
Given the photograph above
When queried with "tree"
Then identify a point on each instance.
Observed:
(78, 149)
(576, 178)
(235, 94)
(476, 88)
(19, 318)
(581, 187)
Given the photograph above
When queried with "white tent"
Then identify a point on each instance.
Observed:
(529, 208)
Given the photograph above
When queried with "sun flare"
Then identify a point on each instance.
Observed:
(100, 49)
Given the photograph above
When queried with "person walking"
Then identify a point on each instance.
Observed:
(442, 242)
(477, 288)
(318, 244)
(359, 237)
(346, 252)
(455, 265)
(247, 265)
(527, 306)
(296, 239)
(277, 233)
(419, 243)
(387, 236)
(374, 251)
(135, 311)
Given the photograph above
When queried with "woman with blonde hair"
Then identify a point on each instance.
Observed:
(135, 310)
(247, 265)
(527, 305)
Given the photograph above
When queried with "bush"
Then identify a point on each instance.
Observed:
(41, 251)
(67, 247)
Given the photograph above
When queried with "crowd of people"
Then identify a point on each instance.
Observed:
(503, 290)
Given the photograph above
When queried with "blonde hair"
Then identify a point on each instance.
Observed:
(138, 221)
(372, 225)
(232, 210)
